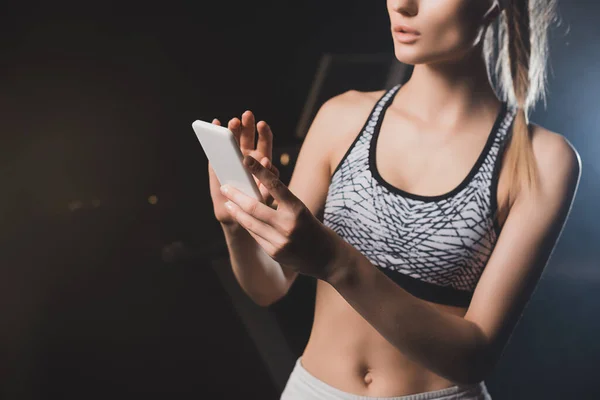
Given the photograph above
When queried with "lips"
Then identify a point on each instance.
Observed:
(406, 29)
(405, 34)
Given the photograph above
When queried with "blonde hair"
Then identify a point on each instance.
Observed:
(516, 52)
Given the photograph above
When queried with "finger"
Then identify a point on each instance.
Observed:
(269, 165)
(249, 205)
(216, 122)
(276, 188)
(265, 162)
(253, 225)
(235, 126)
(275, 170)
(247, 137)
(265, 139)
(264, 192)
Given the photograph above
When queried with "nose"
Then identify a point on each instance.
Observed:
(408, 8)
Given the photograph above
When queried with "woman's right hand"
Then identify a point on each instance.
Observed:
(244, 132)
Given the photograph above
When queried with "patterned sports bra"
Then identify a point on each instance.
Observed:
(435, 247)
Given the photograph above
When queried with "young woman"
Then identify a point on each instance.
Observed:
(438, 215)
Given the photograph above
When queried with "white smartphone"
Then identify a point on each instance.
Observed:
(225, 157)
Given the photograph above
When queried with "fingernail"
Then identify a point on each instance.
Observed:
(228, 205)
(224, 189)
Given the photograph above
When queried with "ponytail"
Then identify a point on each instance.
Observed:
(521, 43)
(519, 157)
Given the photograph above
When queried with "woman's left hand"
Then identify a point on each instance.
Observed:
(290, 234)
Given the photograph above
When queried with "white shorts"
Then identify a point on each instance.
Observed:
(301, 385)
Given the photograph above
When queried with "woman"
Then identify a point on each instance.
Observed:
(439, 215)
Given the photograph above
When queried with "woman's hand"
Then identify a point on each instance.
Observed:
(290, 234)
(244, 132)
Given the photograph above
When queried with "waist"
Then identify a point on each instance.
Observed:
(348, 353)
(303, 385)
(351, 371)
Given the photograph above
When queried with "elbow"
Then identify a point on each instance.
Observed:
(475, 371)
(266, 300)
(478, 361)
(276, 292)
(469, 377)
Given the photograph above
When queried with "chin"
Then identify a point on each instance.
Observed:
(411, 55)
(414, 55)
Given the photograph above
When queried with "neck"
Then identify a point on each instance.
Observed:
(449, 92)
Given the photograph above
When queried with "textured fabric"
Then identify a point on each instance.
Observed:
(301, 385)
(435, 247)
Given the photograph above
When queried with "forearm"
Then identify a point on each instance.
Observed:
(261, 277)
(447, 344)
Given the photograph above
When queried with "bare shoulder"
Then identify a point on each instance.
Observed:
(552, 150)
(355, 97)
(342, 116)
(335, 121)
(559, 163)
(352, 105)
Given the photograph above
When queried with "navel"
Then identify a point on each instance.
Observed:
(368, 378)
(366, 374)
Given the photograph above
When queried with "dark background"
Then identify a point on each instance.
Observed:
(96, 103)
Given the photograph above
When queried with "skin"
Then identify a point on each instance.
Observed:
(369, 336)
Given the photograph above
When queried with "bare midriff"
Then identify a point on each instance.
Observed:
(348, 353)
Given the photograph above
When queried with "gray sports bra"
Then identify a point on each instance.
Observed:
(435, 247)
